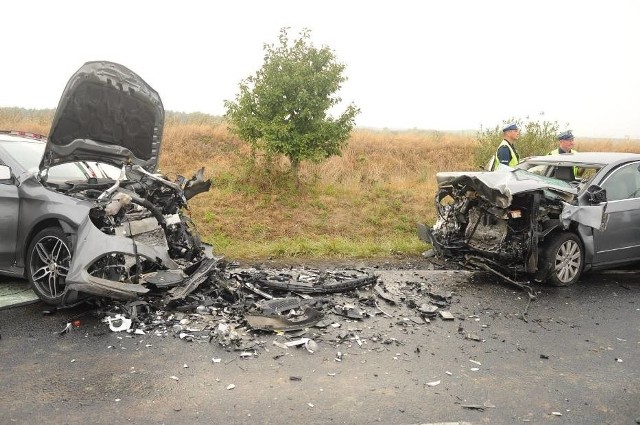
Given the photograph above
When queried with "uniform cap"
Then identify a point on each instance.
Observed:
(510, 126)
(565, 135)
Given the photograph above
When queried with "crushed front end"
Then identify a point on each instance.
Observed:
(136, 232)
(495, 217)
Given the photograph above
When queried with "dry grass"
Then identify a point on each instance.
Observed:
(363, 203)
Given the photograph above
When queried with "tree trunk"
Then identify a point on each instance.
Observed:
(295, 169)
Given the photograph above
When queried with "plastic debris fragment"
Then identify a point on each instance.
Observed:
(118, 323)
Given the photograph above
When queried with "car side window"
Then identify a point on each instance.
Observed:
(623, 183)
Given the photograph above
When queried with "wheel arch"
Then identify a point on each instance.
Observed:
(544, 272)
(41, 225)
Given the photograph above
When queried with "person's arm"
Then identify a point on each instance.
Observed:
(503, 154)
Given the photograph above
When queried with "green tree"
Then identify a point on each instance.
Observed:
(536, 138)
(284, 108)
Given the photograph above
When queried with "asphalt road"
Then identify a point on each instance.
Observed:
(572, 359)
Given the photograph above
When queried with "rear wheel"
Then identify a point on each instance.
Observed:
(563, 258)
(48, 260)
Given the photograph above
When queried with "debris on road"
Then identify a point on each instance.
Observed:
(235, 307)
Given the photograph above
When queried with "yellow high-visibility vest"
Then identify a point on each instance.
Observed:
(514, 156)
(557, 151)
(577, 172)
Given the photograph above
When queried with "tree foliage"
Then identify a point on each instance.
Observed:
(536, 138)
(284, 108)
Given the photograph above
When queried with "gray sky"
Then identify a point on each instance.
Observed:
(443, 65)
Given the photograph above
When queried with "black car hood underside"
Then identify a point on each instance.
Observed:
(107, 113)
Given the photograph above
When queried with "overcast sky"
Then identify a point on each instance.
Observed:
(442, 65)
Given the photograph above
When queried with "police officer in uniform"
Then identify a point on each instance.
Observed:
(565, 143)
(506, 153)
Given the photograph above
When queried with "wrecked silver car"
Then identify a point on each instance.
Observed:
(550, 218)
(84, 210)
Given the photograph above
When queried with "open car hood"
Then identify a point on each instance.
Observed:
(498, 187)
(107, 113)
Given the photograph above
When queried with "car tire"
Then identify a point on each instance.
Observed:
(48, 261)
(562, 256)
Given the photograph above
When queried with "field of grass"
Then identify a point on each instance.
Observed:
(364, 203)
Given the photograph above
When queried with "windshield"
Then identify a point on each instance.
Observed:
(527, 175)
(27, 154)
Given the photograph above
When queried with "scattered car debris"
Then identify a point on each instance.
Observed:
(221, 305)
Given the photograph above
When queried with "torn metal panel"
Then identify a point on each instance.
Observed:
(108, 288)
(588, 215)
(191, 283)
(281, 323)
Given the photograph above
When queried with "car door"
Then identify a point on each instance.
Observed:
(620, 241)
(9, 207)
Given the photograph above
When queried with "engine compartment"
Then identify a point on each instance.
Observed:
(146, 208)
(469, 223)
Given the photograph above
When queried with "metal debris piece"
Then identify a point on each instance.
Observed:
(66, 329)
(284, 323)
(192, 282)
(250, 286)
(230, 386)
(433, 384)
(428, 310)
(281, 305)
(297, 342)
(165, 278)
(385, 294)
(348, 311)
(479, 407)
(446, 315)
(311, 346)
(473, 337)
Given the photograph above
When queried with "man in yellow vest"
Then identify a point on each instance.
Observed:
(506, 153)
(565, 143)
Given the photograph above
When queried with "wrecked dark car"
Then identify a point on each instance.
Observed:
(84, 209)
(550, 218)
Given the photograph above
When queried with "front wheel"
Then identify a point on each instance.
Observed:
(48, 261)
(563, 258)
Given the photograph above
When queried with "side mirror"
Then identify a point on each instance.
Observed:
(5, 172)
(596, 195)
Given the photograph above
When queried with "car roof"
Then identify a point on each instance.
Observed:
(584, 158)
(21, 136)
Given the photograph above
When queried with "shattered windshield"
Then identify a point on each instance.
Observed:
(520, 174)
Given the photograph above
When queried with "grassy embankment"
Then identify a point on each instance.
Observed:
(364, 203)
